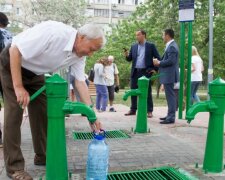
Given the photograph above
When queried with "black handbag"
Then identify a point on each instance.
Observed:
(91, 75)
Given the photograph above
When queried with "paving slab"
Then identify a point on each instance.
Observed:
(178, 145)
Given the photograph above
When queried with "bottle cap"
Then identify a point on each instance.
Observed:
(100, 135)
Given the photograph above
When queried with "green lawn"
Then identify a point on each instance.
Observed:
(161, 101)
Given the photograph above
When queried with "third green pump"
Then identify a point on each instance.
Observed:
(213, 159)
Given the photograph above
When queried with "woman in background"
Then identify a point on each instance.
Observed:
(196, 73)
(100, 84)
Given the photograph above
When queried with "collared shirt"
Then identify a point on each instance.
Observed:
(110, 72)
(99, 74)
(168, 43)
(7, 36)
(141, 56)
(47, 47)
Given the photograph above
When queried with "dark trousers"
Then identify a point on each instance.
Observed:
(171, 101)
(13, 115)
(194, 89)
(134, 85)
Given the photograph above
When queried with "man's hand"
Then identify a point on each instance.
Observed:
(117, 88)
(22, 96)
(96, 126)
(156, 62)
(151, 71)
(125, 52)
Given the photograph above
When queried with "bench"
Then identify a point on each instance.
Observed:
(92, 89)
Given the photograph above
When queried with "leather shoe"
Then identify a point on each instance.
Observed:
(150, 115)
(167, 122)
(39, 160)
(130, 113)
(163, 118)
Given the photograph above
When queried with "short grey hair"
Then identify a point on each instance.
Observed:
(92, 31)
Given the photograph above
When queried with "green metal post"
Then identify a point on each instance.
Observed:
(188, 94)
(141, 123)
(56, 163)
(213, 159)
(181, 90)
(142, 93)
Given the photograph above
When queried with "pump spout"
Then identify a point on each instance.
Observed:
(206, 106)
(79, 108)
(132, 92)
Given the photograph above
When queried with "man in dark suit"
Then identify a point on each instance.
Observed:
(169, 69)
(141, 54)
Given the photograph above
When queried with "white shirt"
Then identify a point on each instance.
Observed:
(47, 47)
(99, 74)
(110, 72)
(168, 43)
(197, 74)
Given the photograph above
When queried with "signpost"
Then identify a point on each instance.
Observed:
(186, 14)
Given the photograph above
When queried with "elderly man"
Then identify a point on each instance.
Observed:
(112, 74)
(43, 48)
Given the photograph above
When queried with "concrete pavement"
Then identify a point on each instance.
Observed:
(179, 145)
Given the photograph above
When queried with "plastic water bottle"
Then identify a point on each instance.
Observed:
(98, 156)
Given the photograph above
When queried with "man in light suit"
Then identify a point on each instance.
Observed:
(169, 69)
(141, 54)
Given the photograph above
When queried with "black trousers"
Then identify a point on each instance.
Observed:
(134, 85)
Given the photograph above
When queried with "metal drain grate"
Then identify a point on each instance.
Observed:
(115, 134)
(163, 173)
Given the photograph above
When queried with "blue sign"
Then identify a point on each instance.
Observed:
(186, 4)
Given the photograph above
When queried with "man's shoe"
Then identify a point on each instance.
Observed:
(163, 119)
(18, 175)
(150, 115)
(112, 109)
(39, 160)
(130, 113)
(167, 122)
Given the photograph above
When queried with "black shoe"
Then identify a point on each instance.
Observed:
(112, 109)
(130, 113)
(39, 160)
(163, 119)
(167, 122)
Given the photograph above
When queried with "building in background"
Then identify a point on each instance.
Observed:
(109, 12)
(104, 12)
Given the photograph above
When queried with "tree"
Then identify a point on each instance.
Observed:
(67, 11)
(156, 15)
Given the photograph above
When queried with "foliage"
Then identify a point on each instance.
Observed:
(67, 11)
(156, 15)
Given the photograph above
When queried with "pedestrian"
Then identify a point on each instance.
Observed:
(141, 54)
(196, 74)
(100, 84)
(168, 67)
(5, 39)
(112, 81)
(44, 48)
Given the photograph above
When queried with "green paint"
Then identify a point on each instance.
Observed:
(56, 163)
(181, 90)
(188, 96)
(142, 93)
(79, 108)
(37, 93)
(57, 107)
(213, 160)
